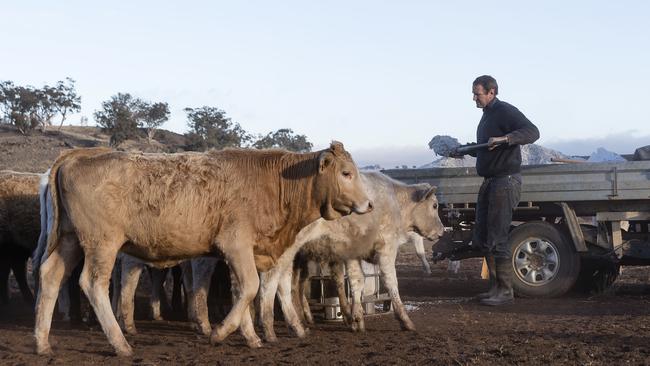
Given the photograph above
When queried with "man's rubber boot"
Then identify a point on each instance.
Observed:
(505, 294)
(492, 278)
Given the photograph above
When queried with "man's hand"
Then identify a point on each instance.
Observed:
(493, 142)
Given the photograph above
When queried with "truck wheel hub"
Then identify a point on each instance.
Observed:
(536, 261)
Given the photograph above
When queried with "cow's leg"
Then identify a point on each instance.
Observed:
(357, 279)
(301, 282)
(246, 328)
(202, 269)
(286, 301)
(99, 262)
(54, 270)
(338, 272)
(19, 267)
(157, 291)
(268, 288)
(186, 268)
(418, 243)
(279, 280)
(131, 271)
(389, 278)
(242, 265)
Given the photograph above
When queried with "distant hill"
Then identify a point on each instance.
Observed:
(37, 151)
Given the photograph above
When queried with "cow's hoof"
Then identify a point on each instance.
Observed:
(158, 317)
(45, 350)
(205, 330)
(203, 327)
(408, 326)
(270, 338)
(131, 331)
(216, 338)
(300, 332)
(256, 343)
(124, 351)
(359, 326)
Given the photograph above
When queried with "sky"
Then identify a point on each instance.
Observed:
(383, 77)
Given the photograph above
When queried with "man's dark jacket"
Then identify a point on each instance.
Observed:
(502, 119)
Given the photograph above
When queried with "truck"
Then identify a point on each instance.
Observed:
(575, 226)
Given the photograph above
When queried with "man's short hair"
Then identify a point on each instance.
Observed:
(487, 82)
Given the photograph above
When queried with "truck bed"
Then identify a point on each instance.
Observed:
(604, 183)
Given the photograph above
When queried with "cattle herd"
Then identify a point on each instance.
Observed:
(107, 215)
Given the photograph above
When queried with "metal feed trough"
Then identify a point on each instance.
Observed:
(323, 298)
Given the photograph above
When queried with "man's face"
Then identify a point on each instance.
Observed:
(482, 97)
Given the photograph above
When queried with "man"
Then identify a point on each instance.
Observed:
(504, 128)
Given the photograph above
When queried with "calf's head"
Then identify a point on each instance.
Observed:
(424, 218)
(338, 185)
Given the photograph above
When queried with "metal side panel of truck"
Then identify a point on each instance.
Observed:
(574, 226)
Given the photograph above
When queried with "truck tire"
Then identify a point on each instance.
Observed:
(544, 262)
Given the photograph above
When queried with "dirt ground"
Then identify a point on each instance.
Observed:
(452, 328)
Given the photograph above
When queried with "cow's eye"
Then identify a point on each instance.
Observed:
(347, 174)
(435, 206)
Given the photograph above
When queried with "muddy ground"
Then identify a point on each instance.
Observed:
(607, 329)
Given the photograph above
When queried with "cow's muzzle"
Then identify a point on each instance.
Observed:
(433, 235)
(364, 208)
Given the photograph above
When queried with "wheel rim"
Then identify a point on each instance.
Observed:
(536, 261)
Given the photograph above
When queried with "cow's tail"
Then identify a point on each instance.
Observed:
(54, 226)
(46, 225)
(54, 218)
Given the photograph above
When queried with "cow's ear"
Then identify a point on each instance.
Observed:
(337, 147)
(428, 193)
(325, 160)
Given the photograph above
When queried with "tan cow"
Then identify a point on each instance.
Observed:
(247, 205)
(19, 228)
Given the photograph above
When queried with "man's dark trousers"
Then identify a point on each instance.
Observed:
(497, 197)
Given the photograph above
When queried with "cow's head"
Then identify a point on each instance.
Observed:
(423, 216)
(338, 184)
